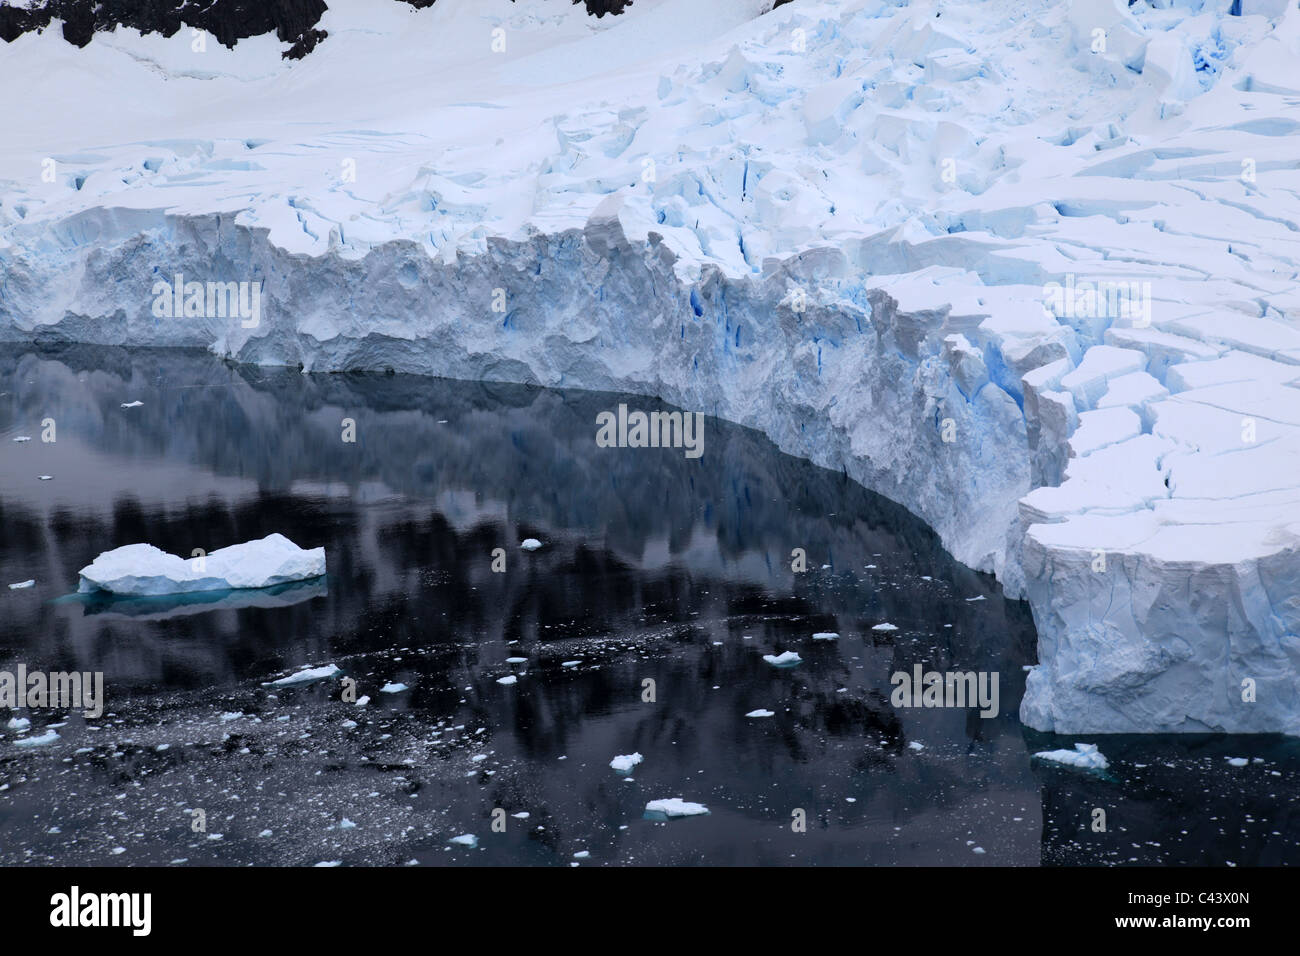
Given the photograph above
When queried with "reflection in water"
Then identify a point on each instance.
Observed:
(655, 568)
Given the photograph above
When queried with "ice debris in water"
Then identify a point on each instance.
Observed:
(22, 584)
(788, 659)
(391, 688)
(672, 808)
(465, 839)
(530, 544)
(826, 636)
(761, 713)
(1083, 756)
(307, 676)
(625, 762)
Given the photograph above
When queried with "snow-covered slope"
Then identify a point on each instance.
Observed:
(861, 227)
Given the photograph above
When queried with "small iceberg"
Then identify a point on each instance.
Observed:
(788, 659)
(1237, 761)
(673, 808)
(308, 676)
(46, 738)
(826, 636)
(623, 763)
(44, 477)
(465, 839)
(508, 679)
(143, 569)
(761, 713)
(23, 438)
(18, 723)
(530, 544)
(135, 404)
(391, 688)
(22, 584)
(885, 627)
(1083, 756)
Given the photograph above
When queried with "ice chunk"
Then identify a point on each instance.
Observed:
(391, 688)
(826, 636)
(509, 679)
(625, 762)
(46, 738)
(885, 627)
(135, 404)
(308, 676)
(674, 807)
(1237, 761)
(465, 839)
(530, 544)
(22, 584)
(18, 723)
(761, 713)
(1083, 756)
(142, 569)
(788, 659)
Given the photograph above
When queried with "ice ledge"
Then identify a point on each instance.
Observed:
(946, 395)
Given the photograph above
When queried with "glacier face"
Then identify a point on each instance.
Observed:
(1032, 281)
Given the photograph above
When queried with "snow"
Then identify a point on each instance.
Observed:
(142, 569)
(623, 763)
(1083, 756)
(306, 676)
(674, 807)
(786, 659)
(656, 203)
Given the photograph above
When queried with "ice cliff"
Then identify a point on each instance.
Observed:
(1030, 271)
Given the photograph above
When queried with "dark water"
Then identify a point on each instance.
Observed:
(654, 567)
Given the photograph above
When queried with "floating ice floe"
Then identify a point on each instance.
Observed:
(44, 477)
(135, 404)
(1083, 756)
(21, 438)
(22, 584)
(1237, 761)
(391, 688)
(18, 723)
(570, 663)
(516, 660)
(46, 738)
(788, 659)
(308, 676)
(465, 839)
(885, 627)
(142, 569)
(761, 713)
(916, 745)
(329, 863)
(530, 544)
(826, 636)
(508, 679)
(674, 807)
(625, 762)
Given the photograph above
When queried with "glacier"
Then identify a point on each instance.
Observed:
(1030, 272)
